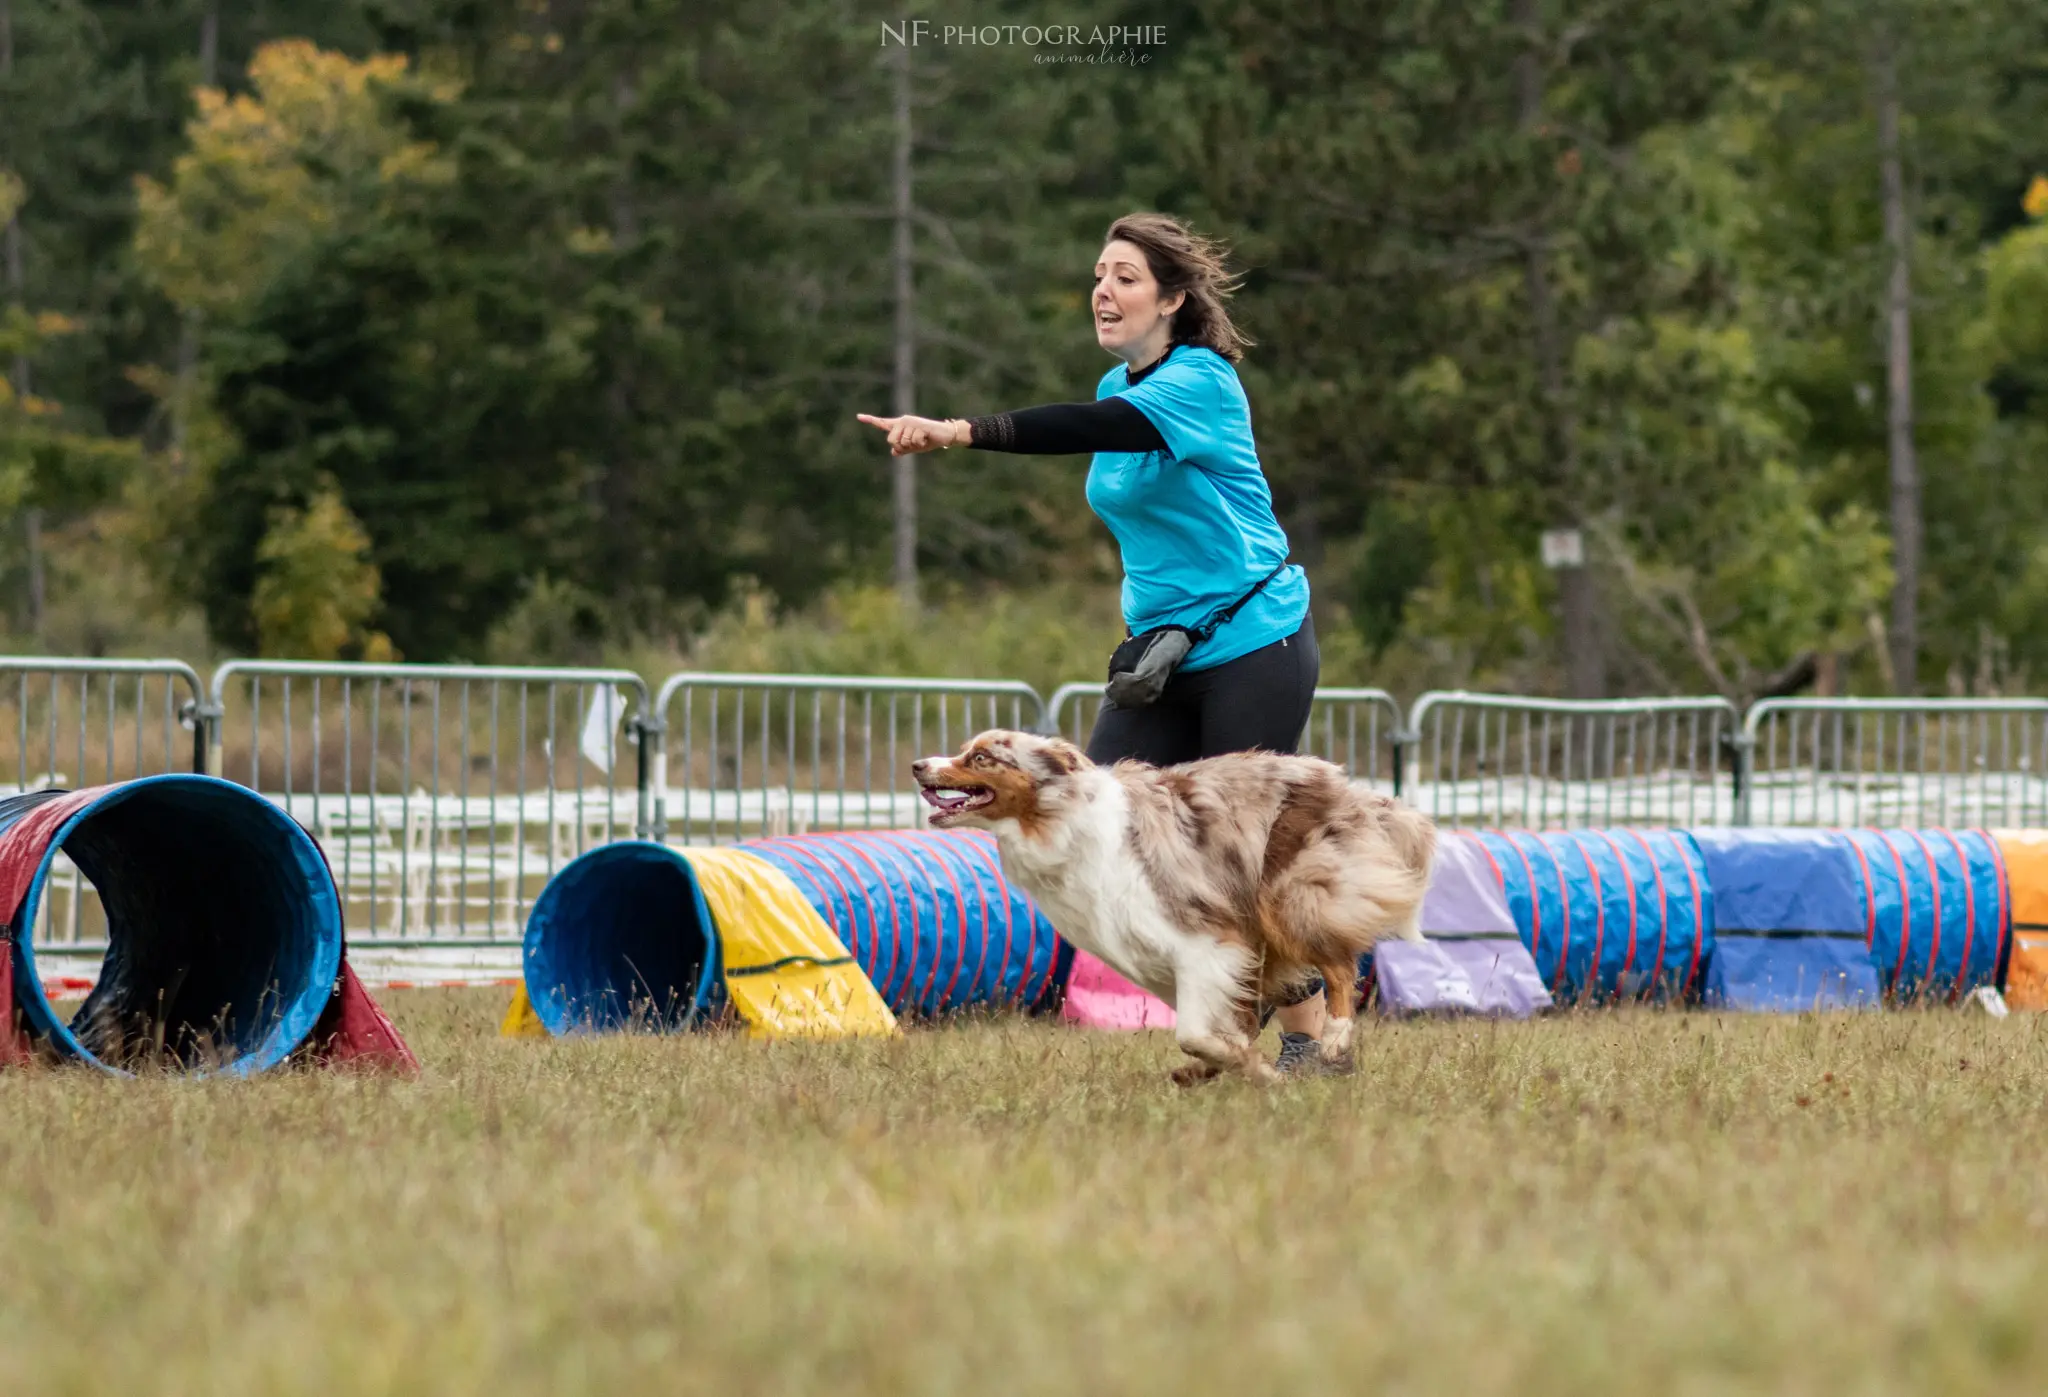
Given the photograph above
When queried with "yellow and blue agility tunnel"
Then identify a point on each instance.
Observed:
(223, 926)
(639, 935)
(929, 916)
(622, 936)
(814, 934)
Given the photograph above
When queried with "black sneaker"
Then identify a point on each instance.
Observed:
(1300, 1056)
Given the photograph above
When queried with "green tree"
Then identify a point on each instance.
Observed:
(44, 462)
(272, 181)
(627, 335)
(316, 588)
(1866, 155)
(1439, 206)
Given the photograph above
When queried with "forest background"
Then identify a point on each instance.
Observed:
(534, 331)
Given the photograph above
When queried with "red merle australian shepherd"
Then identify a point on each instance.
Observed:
(1217, 885)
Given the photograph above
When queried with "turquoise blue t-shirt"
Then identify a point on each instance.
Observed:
(1195, 521)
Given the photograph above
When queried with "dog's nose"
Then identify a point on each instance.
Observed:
(920, 766)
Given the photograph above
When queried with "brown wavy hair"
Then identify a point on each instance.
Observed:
(1183, 260)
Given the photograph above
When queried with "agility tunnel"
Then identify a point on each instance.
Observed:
(924, 923)
(928, 915)
(1847, 918)
(1936, 909)
(1608, 914)
(224, 934)
(1096, 996)
(1790, 923)
(1768, 919)
(1472, 958)
(806, 934)
(2025, 852)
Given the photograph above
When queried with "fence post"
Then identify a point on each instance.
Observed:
(1741, 749)
(653, 818)
(1401, 739)
(208, 758)
(1048, 724)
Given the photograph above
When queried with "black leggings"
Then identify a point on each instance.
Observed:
(1256, 702)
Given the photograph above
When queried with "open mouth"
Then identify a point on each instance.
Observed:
(957, 800)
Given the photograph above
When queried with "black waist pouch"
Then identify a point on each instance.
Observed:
(1139, 669)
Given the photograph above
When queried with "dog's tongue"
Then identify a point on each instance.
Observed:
(942, 798)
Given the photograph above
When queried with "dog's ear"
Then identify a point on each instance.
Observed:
(1063, 758)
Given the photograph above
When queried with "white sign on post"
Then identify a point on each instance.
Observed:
(1563, 548)
(600, 726)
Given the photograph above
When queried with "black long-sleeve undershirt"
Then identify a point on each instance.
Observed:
(1067, 429)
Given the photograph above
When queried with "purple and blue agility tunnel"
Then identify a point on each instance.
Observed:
(1937, 909)
(1847, 918)
(1608, 914)
(1473, 960)
(1789, 922)
(223, 924)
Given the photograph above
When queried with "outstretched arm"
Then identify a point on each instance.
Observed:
(1057, 429)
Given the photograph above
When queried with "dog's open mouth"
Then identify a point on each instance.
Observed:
(957, 800)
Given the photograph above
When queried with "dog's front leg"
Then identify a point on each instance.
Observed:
(1340, 1006)
(1215, 1011)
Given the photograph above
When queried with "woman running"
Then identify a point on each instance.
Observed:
(1176, 478)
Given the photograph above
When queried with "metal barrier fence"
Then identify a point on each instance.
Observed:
(1914, 762)
(1355, 728)
(1496, 760)
(445, 796)
(1071, 711)
(760, 754)
(89, 722)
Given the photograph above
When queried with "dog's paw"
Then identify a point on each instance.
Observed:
(1339, 1064)
(1193, 1074)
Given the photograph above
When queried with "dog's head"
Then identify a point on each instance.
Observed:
(998, 776)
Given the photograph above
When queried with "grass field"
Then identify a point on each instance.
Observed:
(1632, 1202)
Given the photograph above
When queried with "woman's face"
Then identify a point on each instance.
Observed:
(1128, 309)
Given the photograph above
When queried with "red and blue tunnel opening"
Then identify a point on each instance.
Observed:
(224, 927)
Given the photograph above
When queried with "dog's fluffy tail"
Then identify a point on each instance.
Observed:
(1413, 835)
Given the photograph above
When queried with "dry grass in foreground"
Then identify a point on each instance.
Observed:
(1601, 1203)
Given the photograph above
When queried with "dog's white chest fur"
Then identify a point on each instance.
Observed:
(1085, 876)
